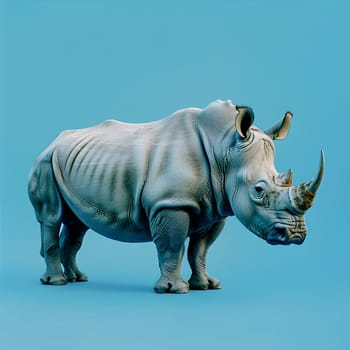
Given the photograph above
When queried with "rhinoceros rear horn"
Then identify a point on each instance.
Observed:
(284, 179)
(280, 130)
(244, 120)
(302, 196)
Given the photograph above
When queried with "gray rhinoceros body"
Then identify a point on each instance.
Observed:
(165, 181)
(115, 176)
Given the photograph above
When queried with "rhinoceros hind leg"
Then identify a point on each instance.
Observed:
(48, 207)
(197, 252)
(169, 231)
(50, 248)
(71, 239)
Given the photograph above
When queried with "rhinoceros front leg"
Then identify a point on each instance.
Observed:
(197, 253)
(169, 230)
(70, 242)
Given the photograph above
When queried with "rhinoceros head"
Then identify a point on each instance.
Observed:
(264, 200)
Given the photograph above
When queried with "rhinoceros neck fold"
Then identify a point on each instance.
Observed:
(218, 133)
(212, 149)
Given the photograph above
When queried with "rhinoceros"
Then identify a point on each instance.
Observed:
(165, 181)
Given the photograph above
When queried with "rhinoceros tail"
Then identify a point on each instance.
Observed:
(43, 192)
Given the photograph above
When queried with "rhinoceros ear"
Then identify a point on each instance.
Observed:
(244, 120)
(280, 130)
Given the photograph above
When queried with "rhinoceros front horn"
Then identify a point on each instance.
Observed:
(302, 196)
(315, 183)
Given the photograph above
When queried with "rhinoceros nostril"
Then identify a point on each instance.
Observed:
(281, 231)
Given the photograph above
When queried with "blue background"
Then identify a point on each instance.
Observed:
(71, 64)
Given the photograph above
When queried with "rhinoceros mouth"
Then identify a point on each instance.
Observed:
(285, 234)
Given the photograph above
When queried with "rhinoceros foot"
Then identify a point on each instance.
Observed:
(55, 280)
(204, 283)
(76, 276)
(177, 286)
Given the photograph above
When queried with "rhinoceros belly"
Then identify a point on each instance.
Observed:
(102, 184)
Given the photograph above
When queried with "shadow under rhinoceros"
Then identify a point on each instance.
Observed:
(114, 287)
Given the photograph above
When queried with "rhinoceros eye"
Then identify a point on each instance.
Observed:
(258, 188)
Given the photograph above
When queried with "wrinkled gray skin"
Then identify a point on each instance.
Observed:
(163, 182)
